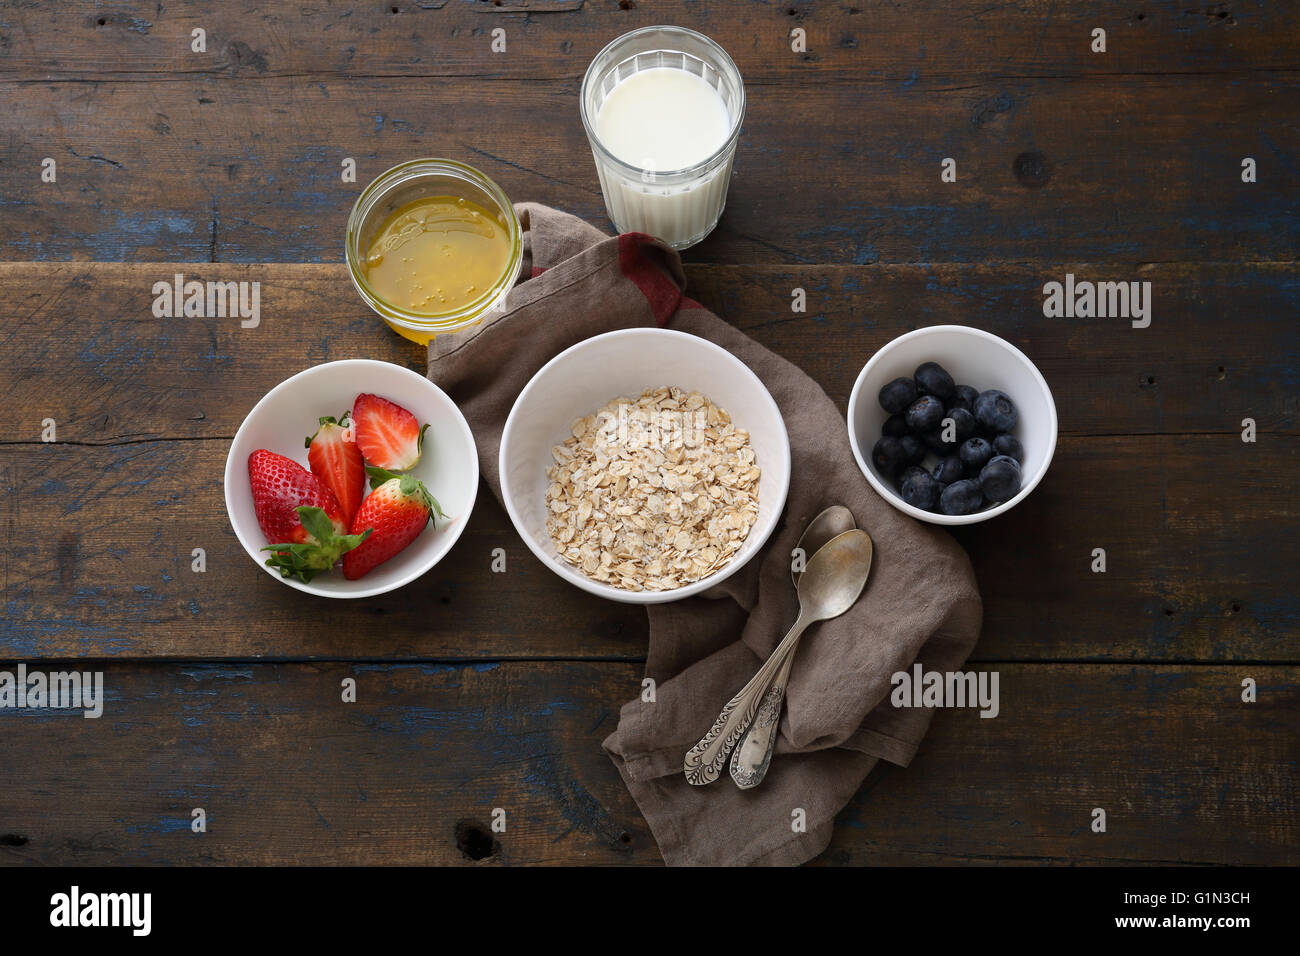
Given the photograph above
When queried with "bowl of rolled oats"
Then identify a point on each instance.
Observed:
(645, 465)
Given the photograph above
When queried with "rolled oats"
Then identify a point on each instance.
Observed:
(652, 493)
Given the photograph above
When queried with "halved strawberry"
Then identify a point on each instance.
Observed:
(396, 512)
(387, 434)
(301, 518)
(336, 460)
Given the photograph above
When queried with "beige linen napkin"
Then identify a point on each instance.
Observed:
(920, 604)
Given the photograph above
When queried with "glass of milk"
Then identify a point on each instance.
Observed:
(662, 107)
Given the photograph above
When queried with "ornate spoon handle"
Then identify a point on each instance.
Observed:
(706, 760)
(750, 760)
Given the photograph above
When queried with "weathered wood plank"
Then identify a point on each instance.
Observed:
(557, 38)
(111, 574)
(83, 347)
(197, 169)
(1193, 526)
(1201, 565)
(1222, 344)
(411, 772)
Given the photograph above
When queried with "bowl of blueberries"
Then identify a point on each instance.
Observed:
(951, 424)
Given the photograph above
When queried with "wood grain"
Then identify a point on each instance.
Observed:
(846, 174)
(411, 772)
(98, 542)
(476, 691)
(83, 347)
(557, 38)
(100, 527)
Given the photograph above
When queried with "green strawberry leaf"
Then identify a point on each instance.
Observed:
(408, 485)
(380, 475)
(304, 560)
(316, 522)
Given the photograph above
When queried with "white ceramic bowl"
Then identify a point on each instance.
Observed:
(291, 411)
(583, 379)
(973, 357)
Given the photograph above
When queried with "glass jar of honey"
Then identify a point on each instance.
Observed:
(433, 246)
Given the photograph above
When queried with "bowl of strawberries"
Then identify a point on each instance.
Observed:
(351, 478)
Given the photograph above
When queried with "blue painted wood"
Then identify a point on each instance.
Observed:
(1127, 162)
(413, 771)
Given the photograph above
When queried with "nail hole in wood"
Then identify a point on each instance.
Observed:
(474, 840)
(1236, 608)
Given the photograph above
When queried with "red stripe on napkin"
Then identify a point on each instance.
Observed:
(640, 259)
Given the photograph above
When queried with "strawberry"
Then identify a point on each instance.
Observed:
(336, 460)
(396, 511)
(387, 434)
(301, 518)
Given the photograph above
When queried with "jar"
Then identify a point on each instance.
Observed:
(420, 179)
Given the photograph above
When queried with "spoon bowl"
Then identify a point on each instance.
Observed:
(835, 576)
(831, 523)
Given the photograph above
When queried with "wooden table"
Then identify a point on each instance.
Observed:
(1120, 690)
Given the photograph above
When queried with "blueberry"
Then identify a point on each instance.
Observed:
(913, 449)
(966, 397)
(996, 411)
(921, 491)
(1000, 478)
(924, 414)
(975, 454)
(935, 441)
(895, 427)
(897, 395)
(888, 456)
(963, 421)
(933, 380)
(911, 471)
(1010, 446)
(961, 498)
(949, 470)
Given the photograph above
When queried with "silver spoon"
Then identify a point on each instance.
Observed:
(831, 523)
(830, 584)
(750, 759)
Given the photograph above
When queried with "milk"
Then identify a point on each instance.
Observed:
(661, 119)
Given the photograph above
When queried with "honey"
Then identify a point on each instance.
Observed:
(437, 255)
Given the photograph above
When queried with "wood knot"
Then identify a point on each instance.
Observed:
(1032, 169)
